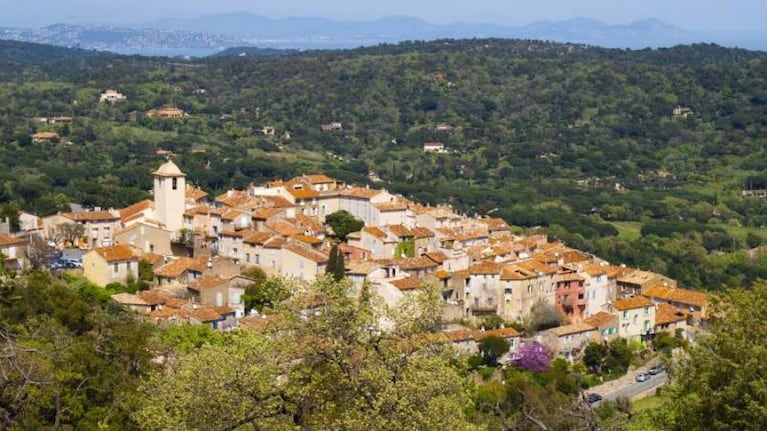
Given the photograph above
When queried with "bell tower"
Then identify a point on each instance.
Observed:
(170, 196)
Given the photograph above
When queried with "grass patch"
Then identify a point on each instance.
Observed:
(646, 403)
(628, 230)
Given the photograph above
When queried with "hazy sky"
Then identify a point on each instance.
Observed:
(689, 14)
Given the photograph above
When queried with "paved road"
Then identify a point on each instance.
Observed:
(638, 388)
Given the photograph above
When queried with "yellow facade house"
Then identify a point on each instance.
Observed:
(115, 264)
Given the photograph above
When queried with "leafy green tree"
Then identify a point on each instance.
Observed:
(343, 223)
(332, 368)
(492, 348)
(336, 266)
(717, 384)
(266, 294)
(594, 356)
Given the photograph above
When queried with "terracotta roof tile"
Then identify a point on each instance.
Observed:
(632, 303)
(404, 284)
(267, 213)
(11, 240)
(116, 253)
(413, 263)
(485, 268)
(399, 230)
(360, 193)
(91, 216)
(258, 238)
(194, 193)
(376, 232)
(666, 314)
(282, 227)
(423, 232)
(601, 319)
(131, 211)
(391, 206)
(575, 328)
(311, 254)
(207, 282)
(675, 294)
(436, 256)
(181, 265)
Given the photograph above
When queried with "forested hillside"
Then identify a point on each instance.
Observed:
(581, 140)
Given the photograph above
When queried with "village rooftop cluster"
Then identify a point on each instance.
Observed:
(199, 245)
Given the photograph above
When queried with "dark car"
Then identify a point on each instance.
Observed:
(592, 398)
(656, 370)
(643, 377)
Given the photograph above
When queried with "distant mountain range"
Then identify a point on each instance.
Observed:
(212, 33)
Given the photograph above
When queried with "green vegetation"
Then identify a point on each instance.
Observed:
(580, 141)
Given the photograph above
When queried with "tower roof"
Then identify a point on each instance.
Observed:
(169, 169)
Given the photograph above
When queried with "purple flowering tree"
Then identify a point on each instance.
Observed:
(532, 357)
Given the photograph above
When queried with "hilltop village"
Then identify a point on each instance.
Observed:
(198, 247)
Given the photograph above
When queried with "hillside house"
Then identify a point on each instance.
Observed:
(113, 264)
(13, 252)
(111, 96)
(569, 341)
(636, 317)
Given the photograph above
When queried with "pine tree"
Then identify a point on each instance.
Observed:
(336, 267)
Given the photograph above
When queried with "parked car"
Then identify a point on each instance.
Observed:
(592, 398)
(656, 370)
(643, 377)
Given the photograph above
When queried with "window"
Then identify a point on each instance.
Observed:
(489, 301)
(174, 183)
(116, 268)
(247, 257)
(258, 259)
(127, 266)
(234, 250)
(647, 311)
(625, 314)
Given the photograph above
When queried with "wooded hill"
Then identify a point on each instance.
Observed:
(582, 140)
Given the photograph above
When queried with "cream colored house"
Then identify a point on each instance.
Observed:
(302, 262)
(114, 264)
(569, 341)
(359, 202)
(669, 319)
(523, 285)
(13, 252)
(146, 237)
(111, 96)
(636, 317)
(99, 227)
(220, 291)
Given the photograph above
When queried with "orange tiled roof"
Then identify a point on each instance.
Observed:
(666, 314)
(391, 206)
(423, 232)
(568, 277)
(233, 214)
(460, 335)
(203, 314)
(412, 263)
(485, 268)
(11, 240)
(307, 239)
(574, 328)
(675, 294)
(91, 216)
(181, 265)
(601, 319)
(376, 232)
(275, 242)
(116, 253)
(516, 272)
(311, 254)
(233, 198)
(632, 303)
(206, 282)
(282, 227)
(130, 211)
(436, 256)
(442, 274)
(360, 193)
(194, 193)
(399, 230)
(278, 201)
(267, 213)
(309, 223)
(152, 258)
(495, 224)
(304, 193)
(318, 179)
(409, 283)
(258, 238)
